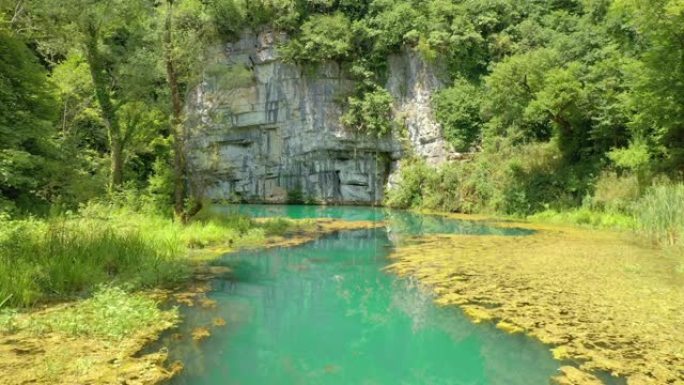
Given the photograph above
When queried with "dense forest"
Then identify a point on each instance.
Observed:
(555, 102)
(570, 109)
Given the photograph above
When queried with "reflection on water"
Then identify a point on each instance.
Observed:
(326, 313)
(352, 213)
(397, 221)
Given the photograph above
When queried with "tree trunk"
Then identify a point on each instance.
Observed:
(101, 84)
(116, 149)
(180, 166)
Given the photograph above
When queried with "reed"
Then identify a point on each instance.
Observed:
(660, 214)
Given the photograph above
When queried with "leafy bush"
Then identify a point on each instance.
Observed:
(322, 37)
(514, 180)
(370, 114)
(458, 110)
(613, 193)
(408, 190)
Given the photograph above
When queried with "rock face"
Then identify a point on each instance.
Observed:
(266, 131)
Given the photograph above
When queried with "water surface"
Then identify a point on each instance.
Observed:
(326, 313)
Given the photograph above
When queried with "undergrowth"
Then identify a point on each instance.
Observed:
(525, 184)
(111, 314)
(67, 256)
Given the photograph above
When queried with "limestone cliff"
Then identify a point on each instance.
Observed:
(277, 134)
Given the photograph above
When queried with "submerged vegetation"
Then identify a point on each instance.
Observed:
(599, 298)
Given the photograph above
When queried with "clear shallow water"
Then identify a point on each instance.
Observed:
(397, 221)
(326, 313)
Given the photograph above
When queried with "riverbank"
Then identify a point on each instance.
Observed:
(99, 339)
(603, 300)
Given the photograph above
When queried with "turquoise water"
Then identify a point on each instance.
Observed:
(326, 313)
(397, 221)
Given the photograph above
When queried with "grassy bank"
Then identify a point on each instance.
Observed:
(78, 291)
(92, 341)
(657, 216)
(68, 256)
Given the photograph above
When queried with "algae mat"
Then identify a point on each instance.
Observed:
(601, 300)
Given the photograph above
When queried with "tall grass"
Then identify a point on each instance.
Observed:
(585, 216)
(660, 214)
(70, 255)
(66, 257)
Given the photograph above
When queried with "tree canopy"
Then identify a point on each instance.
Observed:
(97, 88)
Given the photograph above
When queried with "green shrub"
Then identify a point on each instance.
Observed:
(440, 190)
(458, 110)
(614, 193)
(408, 191)
(295, 195)
(322, 38)
(535, 177)
(370, 113)
(513, 180)
(660, 214)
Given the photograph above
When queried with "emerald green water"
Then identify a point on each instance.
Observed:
(326, 313)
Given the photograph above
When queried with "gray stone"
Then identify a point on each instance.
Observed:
(281, 135)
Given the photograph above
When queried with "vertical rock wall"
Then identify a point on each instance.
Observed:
(276, 135)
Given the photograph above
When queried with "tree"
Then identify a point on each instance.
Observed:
(27, 113)
(106, 34)
(458, 110)
(657, 97)
(185, 28)
(323, 37)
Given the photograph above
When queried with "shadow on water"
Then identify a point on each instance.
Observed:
(326, 313)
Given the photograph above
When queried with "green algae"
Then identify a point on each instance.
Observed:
(600, 298)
